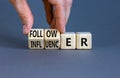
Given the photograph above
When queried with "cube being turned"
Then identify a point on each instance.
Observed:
(52, 39)
(84, 40)
(68, 40)
(36, 39)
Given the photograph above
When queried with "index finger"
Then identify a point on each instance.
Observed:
(59, 18)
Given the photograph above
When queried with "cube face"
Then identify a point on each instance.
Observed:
(83, 40)
(36, 34)
(68, 40)
(52, 44)
(52, 39)
(36, 39)
(36, 44)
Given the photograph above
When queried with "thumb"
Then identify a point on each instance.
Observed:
(24, 13)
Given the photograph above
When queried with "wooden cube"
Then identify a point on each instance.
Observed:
(36, 39)
(52, 39)
(68, 40)
(83, 40)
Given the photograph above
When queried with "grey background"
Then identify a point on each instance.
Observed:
(100, 17)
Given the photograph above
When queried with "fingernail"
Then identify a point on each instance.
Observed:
(25, 29)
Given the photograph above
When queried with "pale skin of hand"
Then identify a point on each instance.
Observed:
(57, 13)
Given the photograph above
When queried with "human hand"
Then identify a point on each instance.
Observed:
(57, 13)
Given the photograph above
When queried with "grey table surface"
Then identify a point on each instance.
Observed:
(100, 17)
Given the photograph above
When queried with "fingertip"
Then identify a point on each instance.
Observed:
(26, 29)
(60, 29)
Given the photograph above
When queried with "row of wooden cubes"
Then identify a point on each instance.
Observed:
(52, 39)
